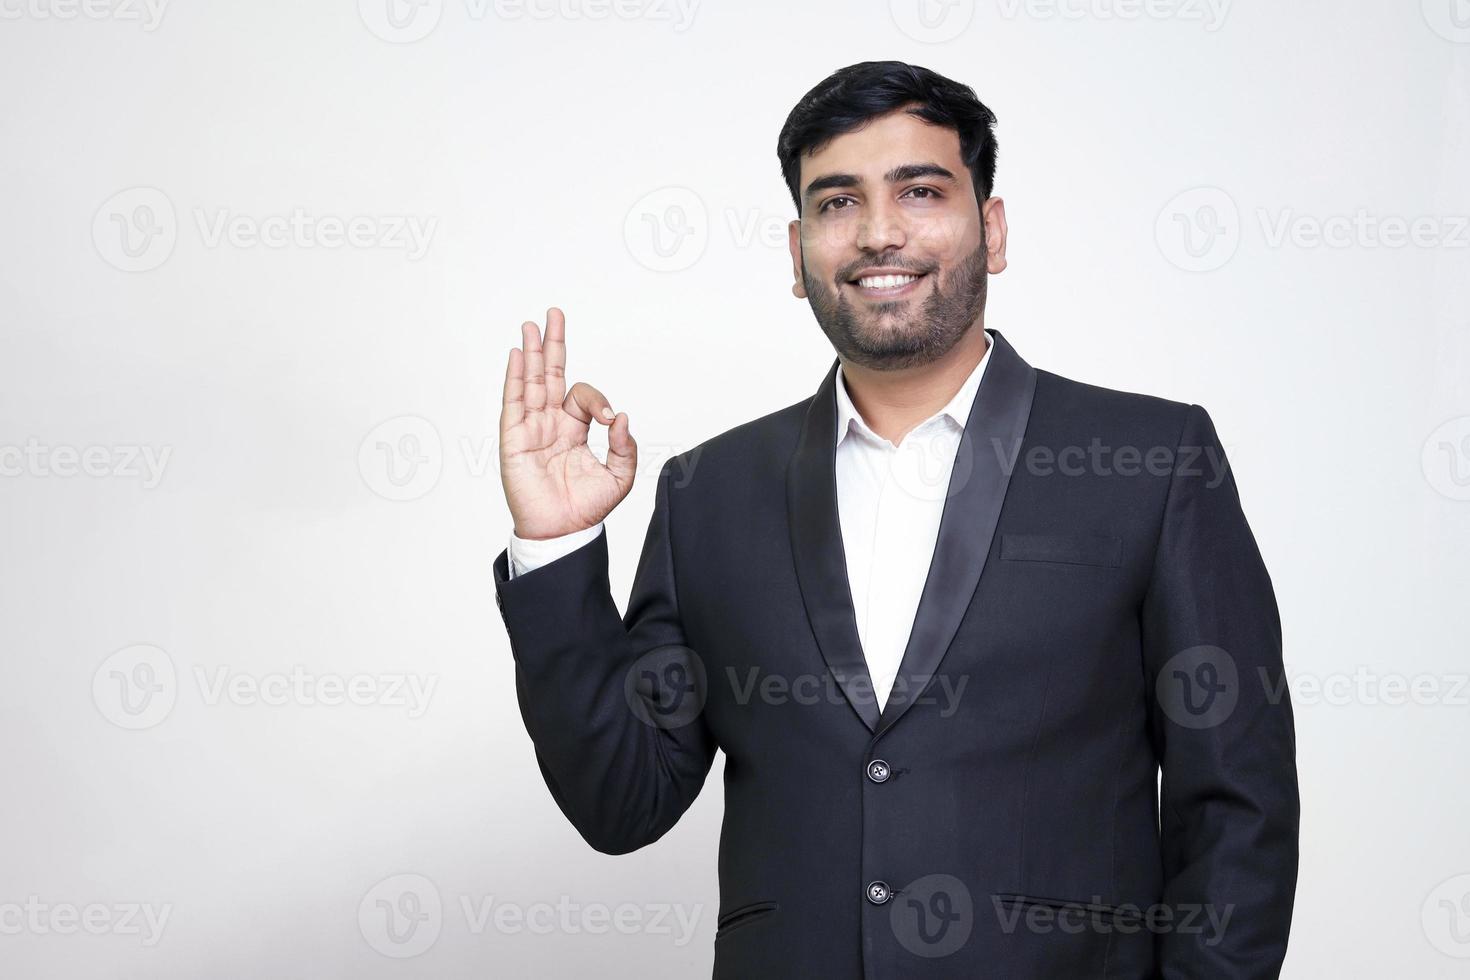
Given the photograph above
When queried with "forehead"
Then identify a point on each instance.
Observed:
(895, 138)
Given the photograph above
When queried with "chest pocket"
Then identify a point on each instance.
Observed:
(1067, 549)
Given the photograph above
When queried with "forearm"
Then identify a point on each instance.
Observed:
(612, 704)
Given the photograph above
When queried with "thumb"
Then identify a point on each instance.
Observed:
(622, 451)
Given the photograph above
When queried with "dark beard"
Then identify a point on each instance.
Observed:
(946, 315)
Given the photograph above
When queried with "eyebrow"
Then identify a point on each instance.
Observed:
(907, 171)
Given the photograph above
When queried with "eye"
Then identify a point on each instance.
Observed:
(929, 192)
(832, 201)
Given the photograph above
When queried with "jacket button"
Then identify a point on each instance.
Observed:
(878, 892)
(878, 771)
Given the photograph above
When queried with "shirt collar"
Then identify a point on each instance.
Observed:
(958, 408)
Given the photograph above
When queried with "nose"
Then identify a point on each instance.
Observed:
(882, 228)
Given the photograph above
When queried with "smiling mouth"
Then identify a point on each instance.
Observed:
(887, 286)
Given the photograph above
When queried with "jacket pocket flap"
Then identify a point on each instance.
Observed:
(743, 914)
(1065, 906)
(1081, 549)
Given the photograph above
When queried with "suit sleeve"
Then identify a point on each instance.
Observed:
(528, 554)
(613, 704)
(1221, 725)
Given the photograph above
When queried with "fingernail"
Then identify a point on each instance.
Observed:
(607, 413)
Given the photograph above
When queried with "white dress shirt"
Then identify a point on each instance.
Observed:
(889, 502)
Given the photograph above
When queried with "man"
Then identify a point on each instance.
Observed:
(950, 619)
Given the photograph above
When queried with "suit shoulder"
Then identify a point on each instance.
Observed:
(1065, 399)
(739, 451)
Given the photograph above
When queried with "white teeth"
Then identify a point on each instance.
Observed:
(884, 282)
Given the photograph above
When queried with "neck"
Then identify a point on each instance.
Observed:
(893, 402)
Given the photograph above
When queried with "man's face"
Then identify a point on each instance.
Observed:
(894, 198)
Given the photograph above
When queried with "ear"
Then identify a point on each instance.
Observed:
(793, 235)
(993, 215)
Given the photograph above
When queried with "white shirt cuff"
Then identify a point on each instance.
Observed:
(526, 554)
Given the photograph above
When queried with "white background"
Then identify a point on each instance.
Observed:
(539, 145)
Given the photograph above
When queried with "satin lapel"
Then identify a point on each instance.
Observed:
(816, 544)
(977, 488)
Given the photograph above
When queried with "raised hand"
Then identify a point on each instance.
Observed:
(553, 482)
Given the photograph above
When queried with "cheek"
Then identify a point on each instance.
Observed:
(819, 265)
(947, 241)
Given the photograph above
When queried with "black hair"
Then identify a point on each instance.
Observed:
(848, 98)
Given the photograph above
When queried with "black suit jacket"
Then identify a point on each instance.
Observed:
(1096, 614)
